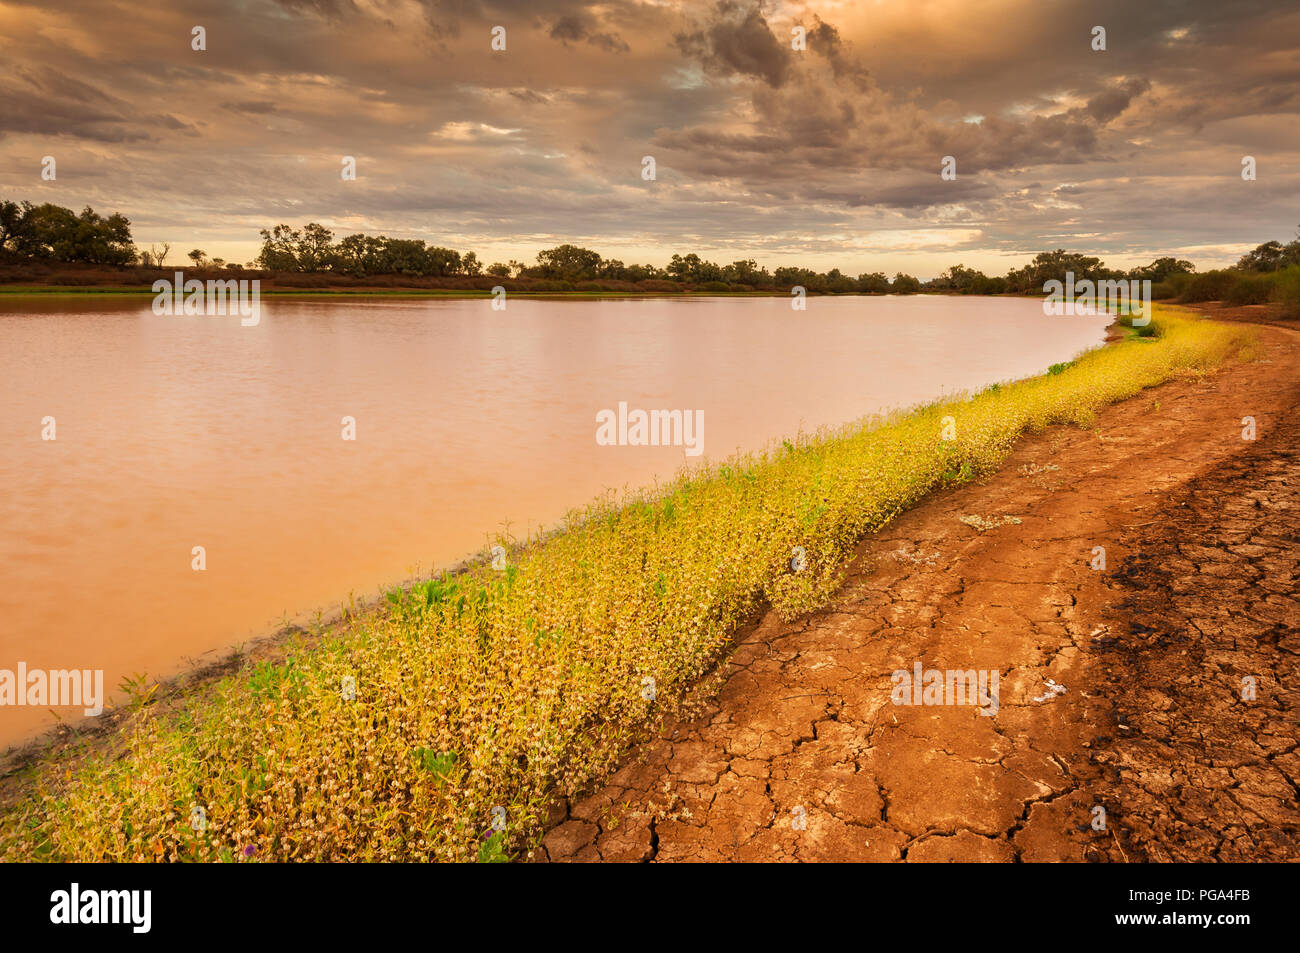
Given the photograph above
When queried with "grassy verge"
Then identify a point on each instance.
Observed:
(503, 688)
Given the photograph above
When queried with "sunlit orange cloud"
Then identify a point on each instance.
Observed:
(826, 156)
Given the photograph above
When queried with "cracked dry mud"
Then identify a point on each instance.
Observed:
(1208, 614)
(802, 755)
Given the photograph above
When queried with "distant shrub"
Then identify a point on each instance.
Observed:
(984, 285)
(1250, 289)
(1286, 291)
(658, 284)
(874, 283)
(715, 286)
(1210, 286)
(905, 285)
(1173, 286)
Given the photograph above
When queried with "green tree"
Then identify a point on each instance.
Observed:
(568, 263)
(838, 283)
(440, 262)
(280, 249)
(746, 272)
(1270, 256)
(1055, 266)
(404, 256)
(789, 276)
(958, 278)
(11, 221)
(874, 283)
(694, 269)
(1162, 268)
(313, 247)
(905, 285)
(642, 273)
(51, 231)
(359, 255)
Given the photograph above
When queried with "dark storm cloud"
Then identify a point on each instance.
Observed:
(1109, 103)
(738, 40)
(824, 40)
(572, 27)
(323, 8)
(452, 16)
(259, 107)
(45, 102)
(529, 97)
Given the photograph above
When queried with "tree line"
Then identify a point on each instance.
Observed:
(1267, 273)
(60, 234)
(312, 249)
(51, 232)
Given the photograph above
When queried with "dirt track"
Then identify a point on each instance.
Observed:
(802, 755)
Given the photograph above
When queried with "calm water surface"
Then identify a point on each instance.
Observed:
(176, 432)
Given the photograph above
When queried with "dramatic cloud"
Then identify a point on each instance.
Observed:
(828, 155)
(740, 41)
(572, 26)
(1109, 103)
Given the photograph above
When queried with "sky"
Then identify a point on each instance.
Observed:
(826, 156)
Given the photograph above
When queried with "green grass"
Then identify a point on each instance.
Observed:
(1151, 329)
(508, 688)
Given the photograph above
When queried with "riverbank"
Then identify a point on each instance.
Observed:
(1121, 733)
(500, 689)
(51, 278)
(45, 278)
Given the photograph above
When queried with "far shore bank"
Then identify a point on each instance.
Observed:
(269, 288)
(48, 279)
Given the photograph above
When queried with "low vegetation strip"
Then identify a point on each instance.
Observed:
(442, 727)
